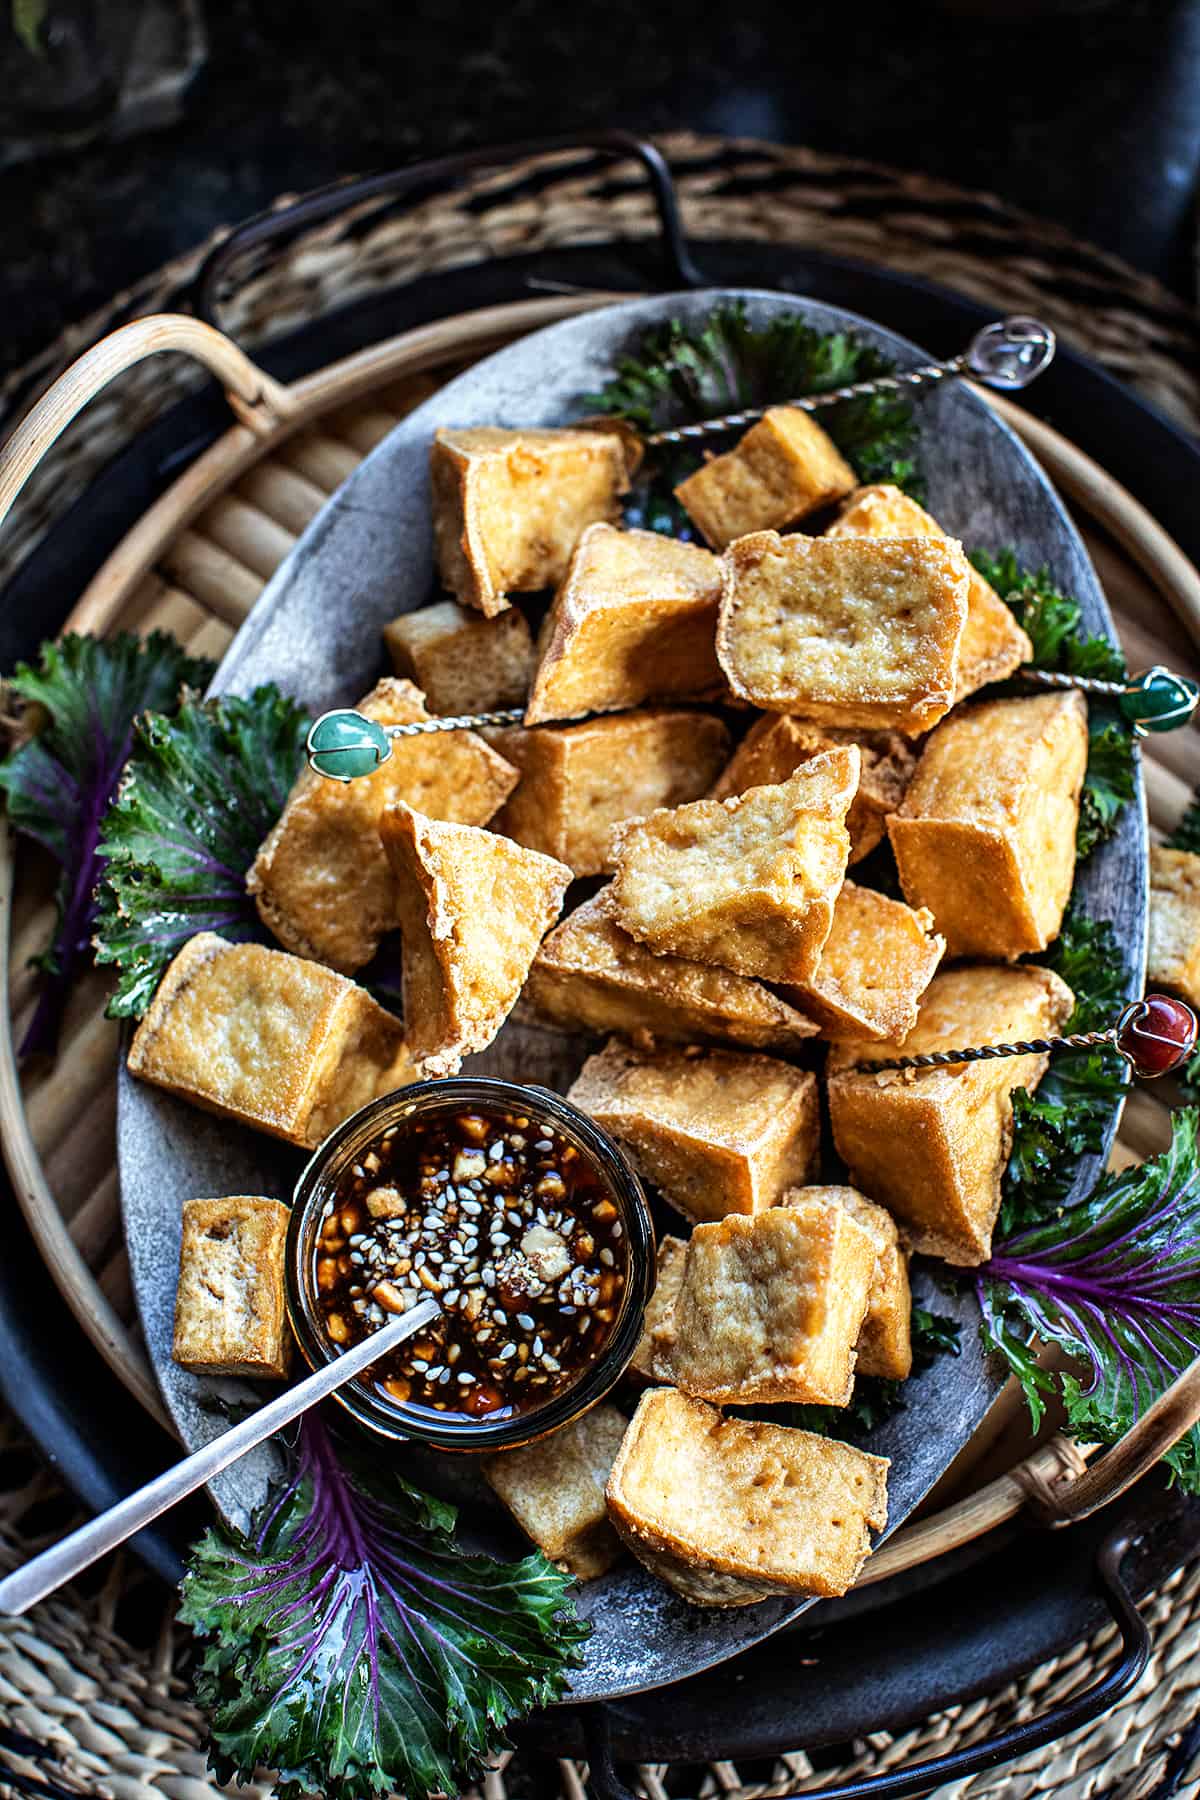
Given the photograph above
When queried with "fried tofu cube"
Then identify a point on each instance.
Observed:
(635, 619)
(993, 645)
(846, 631)
(658, 1326)
(320, 880)
(473, 908)
(1173, 947)
(775, 747)
(230, 1312)
(770, 1308)
(463, 663)
(580, 781)
(931, 1145)
(268, 1039)
(727, 1511)
(877, 961)
(716, 1131)
(589, 975)
(554, 1489)
(747, 883)
(784, 468)
(986, 835)
(509, 506)
(885, 1342)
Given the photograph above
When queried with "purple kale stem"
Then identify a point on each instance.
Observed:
(1032, 1274)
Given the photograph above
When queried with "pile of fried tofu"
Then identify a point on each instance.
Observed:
(723, 938)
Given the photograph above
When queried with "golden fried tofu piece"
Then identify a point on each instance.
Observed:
(320, 880)
(554, 1489)
(775, 747)
(878, 959)
(580, 781)
(1173, 946)
(230, 1311)
(770, 1308)
(635, 619)
(784, 468)
(473, 908)
(729, 1510)
(931, 1145)
(986, 835)
(885, 1342)
(268, 1039)
(747, 883)
(658, 1327)
(509, 506)
(589, 975)
(992, 644)
(463, 663)
(847, 631)
(717, 1131)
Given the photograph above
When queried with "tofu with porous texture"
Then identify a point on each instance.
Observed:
(230, 1311)
(727, 1511)
(931, 1145)
(473, 908)
(320, 880)
(269, 1039)
(784, 468)
(658, 1327)
(580, 781)
(776, 746)
(878, 959)
(635, 619)
(554, 1489)
(589, 975)
(716, 1131)
(993, 645)
(461, 662)
(846, 631)
(509, 507)
(747, 883)
(986, 835)
(770, 1308)
(885, 1342)
(1173, 946)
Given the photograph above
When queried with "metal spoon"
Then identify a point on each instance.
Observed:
(63, 1561)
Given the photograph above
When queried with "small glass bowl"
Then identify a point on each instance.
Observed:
(350, 1142)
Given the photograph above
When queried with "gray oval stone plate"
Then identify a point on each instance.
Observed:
(316, 631)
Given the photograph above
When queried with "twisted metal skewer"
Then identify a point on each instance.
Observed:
(1089, 684)
(940, 1059)
(1008, 354)
(512, 715)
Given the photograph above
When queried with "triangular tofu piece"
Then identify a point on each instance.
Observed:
(473, 908)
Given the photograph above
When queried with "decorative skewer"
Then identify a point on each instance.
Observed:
(1154, 1035)
(1008, 354)
(345, 744)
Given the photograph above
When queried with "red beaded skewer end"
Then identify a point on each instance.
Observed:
(1154, 1035)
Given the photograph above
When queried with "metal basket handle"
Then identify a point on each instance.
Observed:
(443, 171)
(259, 402)
(1018, 1740)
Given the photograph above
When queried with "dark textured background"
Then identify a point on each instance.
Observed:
(1091, 117)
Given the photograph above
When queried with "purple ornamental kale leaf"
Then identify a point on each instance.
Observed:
(1114, 1281)
(59, 783)
(352, 1646)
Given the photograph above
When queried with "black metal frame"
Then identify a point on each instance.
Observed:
(912, 305)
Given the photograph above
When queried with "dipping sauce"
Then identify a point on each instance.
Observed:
(508, 1226)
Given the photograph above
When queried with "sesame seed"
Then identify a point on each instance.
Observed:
(525, 1321)
(508, 1352)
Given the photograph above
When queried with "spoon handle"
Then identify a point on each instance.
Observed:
(26, 1586)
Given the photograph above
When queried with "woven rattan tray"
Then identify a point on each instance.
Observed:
(196, 563)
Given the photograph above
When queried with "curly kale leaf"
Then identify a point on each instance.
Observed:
(200, 793)
(85, 695)
(351, 1644)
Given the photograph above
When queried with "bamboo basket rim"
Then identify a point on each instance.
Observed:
(240, 447)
